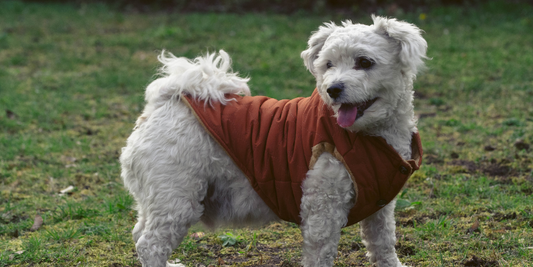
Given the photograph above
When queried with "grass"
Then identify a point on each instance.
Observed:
(71, 86)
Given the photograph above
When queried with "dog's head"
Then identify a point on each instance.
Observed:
(365, 72)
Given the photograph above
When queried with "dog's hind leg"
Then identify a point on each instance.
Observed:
(169, 210)
(328, 196)
(379, 236)
(164, 231)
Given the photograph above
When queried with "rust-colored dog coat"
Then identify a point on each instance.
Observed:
(275, 143)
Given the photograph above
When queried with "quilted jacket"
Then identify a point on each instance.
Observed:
(275, 143)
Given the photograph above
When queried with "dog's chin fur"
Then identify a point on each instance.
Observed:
(179, 175)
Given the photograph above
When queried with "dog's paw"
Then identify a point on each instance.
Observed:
(397, 264)
(174, 263)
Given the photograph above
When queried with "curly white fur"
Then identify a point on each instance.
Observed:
(179, 175)
(207, 78)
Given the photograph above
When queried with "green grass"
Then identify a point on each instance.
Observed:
(71, 87)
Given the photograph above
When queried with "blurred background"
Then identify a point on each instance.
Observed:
(72, 80)
(281, 6)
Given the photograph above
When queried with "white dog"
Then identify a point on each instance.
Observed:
(179, 173)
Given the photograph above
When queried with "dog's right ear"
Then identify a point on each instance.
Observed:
(315, 44)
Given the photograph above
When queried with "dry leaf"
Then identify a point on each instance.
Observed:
(66, 190)
(474, 227)
(37, 222)
(197, 235)
(12, 256)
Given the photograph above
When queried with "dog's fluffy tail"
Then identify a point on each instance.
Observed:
(206, 78)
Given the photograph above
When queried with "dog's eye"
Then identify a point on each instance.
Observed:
(329, 65)
(364, 63)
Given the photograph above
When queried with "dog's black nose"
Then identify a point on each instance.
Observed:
(335, 90)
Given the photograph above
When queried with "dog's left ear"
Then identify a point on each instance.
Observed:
(315, 44)
(413, 46)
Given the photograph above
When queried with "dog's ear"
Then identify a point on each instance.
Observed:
(413, 46)
(315, 43)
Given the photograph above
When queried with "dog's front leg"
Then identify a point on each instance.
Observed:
(379, 236)
(328, 196)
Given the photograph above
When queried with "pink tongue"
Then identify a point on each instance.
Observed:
(347, 115)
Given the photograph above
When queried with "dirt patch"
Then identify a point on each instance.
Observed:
(500, 216)
(427, 115)
(493, 168)
(469, 166)
(489, 148)
(411, 222)
(521, 145)
(477, 262)
(264, 254)
(405, 249)
(432, 159)
(418, 220)
(356, 246)
(527, 191)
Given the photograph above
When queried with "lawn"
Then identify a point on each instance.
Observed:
(72, 79)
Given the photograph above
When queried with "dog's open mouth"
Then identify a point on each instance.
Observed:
(349, 113)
